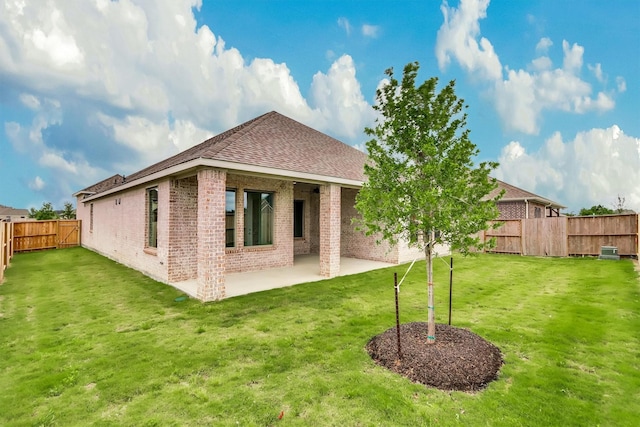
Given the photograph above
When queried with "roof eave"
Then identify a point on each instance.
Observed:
(231, 166)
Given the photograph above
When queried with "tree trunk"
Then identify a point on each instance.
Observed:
(431, 324)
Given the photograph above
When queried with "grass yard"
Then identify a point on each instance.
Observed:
(85, 341)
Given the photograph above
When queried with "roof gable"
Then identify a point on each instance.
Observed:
(513, 193)
(273, 141)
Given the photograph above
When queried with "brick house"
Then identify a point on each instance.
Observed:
(517, 203)
(251, 198)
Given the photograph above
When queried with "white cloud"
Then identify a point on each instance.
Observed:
(457, 37)
(524, 95)
(370, 30)
(597, 71)
(145, 76)
(593, 168)
(338, 98)
(345, 25)
(30, 101)
(621, 83)
(543, 45)
(37, 184)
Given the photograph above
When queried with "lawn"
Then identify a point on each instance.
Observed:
(86, 341)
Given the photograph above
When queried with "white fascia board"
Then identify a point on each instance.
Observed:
(533, 199)
(230, 166)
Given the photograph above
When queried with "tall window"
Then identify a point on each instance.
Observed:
(298, 218)
(91, 217)
(152, 217)
(258, 218)
(230, 217)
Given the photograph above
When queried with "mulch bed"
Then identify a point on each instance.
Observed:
(459, 359)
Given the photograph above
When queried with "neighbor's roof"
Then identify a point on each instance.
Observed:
(9, 211)
(271, 142)
(515, 194)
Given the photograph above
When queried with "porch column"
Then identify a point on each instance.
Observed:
(330, 230)
(211, 234)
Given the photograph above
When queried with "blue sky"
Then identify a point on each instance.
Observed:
(93, 88)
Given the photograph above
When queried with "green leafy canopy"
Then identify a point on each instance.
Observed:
(421, 174)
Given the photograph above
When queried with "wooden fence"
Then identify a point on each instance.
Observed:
(6, 246)
(47, 234)
(567, 236)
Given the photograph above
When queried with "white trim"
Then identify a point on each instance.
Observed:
(231, 166)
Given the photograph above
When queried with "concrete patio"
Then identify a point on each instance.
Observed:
(306, 268)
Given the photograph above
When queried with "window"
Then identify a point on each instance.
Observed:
(91, 217)
(258, 218)
(152, 217)
(298, 218)
(230, 217)
(537, 212)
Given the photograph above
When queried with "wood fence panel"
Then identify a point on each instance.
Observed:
(545, 236)
(508, 237)
(587, 234)
(566, 236)
(68, 233)
(47, 234)
(6, 246)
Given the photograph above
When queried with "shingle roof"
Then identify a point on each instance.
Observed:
(512, 193)
(9, 211)
(271, 140)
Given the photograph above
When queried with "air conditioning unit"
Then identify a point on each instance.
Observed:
(609, 252)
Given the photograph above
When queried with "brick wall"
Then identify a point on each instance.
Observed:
(119, 229)
(183, 229)
(280, 253)
(356, 244)
(518, 210)
(211, 234)
(330, 221)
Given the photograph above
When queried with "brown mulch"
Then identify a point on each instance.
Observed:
(458, 360)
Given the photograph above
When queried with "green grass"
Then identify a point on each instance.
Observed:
(85, 341)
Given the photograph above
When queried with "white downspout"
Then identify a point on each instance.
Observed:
(526, 207)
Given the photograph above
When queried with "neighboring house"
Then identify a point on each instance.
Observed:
(11, 214)
(517, 203)
(248, 199)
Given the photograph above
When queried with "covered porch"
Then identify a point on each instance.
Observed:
(305, 269)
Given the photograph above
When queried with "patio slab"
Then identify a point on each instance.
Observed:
(306, 268)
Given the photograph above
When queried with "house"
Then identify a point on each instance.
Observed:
(517, 203)
(10, 214)
(251, 198)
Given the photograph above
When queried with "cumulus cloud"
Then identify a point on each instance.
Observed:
(370, 30)
(592, 168)
(521, 96)
(543, 45)
(114, 86)
(457, 38)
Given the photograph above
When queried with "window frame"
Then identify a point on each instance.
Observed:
(251, 223)
(298, 219)
(151, 240)
(233, 221)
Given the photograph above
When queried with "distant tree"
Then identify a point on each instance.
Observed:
(596, 210)
(45, 212)
(68, 212)
(422, 183)
(620, 204)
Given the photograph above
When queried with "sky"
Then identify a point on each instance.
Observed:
(91, 88)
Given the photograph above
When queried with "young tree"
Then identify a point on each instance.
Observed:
(45, 212)
(422, 183)
(68, 212)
